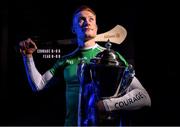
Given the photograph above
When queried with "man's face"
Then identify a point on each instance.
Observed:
(84, 25)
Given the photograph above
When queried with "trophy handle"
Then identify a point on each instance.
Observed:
(128, 75)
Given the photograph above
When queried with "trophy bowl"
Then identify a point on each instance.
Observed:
(107, 71)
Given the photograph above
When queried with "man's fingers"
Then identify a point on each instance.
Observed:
(24, 45)
(21, 44)
(34, 44)
(27, 46)
(31, 43)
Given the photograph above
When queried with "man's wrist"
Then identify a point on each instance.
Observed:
(29, 55)
(28, 58)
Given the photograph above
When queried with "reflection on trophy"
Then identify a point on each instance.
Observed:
(106, 76)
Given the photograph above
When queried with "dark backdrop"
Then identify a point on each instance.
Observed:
(150, 46)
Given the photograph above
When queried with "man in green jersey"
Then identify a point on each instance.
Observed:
(85, 28)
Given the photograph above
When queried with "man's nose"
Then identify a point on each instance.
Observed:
(86, 22)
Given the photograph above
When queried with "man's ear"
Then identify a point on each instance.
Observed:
(73, 29)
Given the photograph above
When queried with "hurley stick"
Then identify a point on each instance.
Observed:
(116, 35)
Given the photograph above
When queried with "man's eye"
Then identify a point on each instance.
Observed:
(91, 19)
(81, 19)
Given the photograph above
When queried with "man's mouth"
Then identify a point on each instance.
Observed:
(87, 29)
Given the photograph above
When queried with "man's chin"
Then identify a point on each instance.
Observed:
(89, 38)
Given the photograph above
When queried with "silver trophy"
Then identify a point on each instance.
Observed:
(106, 76)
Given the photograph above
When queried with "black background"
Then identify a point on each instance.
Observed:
(151, 46)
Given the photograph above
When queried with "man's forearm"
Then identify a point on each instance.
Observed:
(135, 98)
(36, 80)
(131, 101)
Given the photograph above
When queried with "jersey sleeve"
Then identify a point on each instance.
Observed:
(59, 64)
(136, 97)
(36, 80)
(122, 58)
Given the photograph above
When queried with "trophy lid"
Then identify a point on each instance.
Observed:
(108, 57)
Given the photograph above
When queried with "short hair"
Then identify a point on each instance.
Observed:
(83, 8)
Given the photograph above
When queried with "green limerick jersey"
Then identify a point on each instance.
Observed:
(69, 66)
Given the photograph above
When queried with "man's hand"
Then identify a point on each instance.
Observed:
(100, 106)
(27, 47)
(101, 111)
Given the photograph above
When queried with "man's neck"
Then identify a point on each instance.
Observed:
(87, 44)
